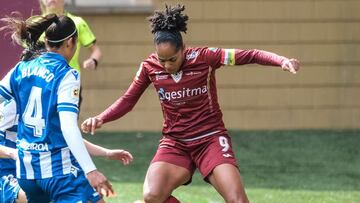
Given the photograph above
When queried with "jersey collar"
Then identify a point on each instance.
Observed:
(54, 56)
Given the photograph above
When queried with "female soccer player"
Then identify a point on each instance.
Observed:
(194, 135)
(86, 38)
(53, 161)
(10, 189)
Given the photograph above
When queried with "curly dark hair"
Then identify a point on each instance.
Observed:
(168, 24)
(170, 19)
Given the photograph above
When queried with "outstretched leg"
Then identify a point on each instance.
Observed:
(227, 181)
(161, 179)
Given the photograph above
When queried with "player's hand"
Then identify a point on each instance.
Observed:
(120, 155)
(90, 124)
(291, 65)
(99, 182)
(89, 64)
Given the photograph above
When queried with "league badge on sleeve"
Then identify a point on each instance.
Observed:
(75, 92)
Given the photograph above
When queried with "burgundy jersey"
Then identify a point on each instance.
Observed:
(188, 98)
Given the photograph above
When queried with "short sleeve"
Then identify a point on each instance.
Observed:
(85, 35)
(69, 91)
(5, 87)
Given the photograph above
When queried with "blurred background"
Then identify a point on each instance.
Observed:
(322, 34)
(296, 137)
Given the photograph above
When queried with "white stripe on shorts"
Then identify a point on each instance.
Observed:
(199, 137)
(45, 164)
(27, 164)
(66, 161)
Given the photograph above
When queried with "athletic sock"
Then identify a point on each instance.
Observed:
(171, 199)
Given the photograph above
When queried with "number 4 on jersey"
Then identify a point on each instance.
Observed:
(32, 116)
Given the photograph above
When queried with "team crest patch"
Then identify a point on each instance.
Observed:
(75, 92)
(177, 76)
(192, 55)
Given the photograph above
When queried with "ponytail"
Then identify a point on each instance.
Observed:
(27, 33)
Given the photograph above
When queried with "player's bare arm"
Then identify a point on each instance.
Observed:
(7, 152)
(113, 154)
(95, 56)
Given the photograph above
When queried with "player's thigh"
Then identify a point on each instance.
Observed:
(34, 193)
(162, 178)
(171, 166)
(21, 198)
(227, 181)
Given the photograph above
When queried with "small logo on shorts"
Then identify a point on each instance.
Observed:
(74, 170)
(227, 155)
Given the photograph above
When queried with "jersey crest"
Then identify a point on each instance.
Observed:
(177, 76)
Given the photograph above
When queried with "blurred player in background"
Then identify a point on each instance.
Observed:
(10, 189)
(54, 164)
(194, 135)
(86, 38)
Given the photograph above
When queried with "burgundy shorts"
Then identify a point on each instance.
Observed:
(204, 154)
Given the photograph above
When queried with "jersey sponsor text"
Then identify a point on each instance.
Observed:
(179, 94)
(33, 146)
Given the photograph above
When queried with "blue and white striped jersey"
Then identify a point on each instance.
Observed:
(41, 88)
(8, 130)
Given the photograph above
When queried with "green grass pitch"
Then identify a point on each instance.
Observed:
(304, 166)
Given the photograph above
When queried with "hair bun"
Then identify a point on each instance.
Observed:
(171, 19)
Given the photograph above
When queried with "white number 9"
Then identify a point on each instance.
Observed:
(224, 143)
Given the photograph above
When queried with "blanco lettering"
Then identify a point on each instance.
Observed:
(39, 72)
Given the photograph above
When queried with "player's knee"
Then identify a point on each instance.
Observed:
(152, 196)
(237, 199)
(100, 201)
